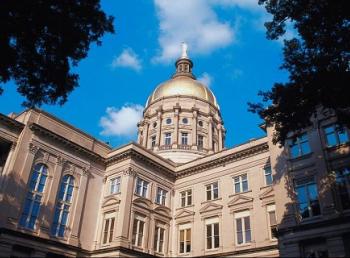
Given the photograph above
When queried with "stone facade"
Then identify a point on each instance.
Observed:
(64, 193)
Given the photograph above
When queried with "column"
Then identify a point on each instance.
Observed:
(123, 229)
(145, 133)
(210, 135)
(220, 137)
(194, 129)
(159, 128)
(175, 139)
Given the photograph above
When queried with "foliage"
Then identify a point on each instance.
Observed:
(318, 62)
(40, 42)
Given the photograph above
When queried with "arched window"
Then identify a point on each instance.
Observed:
(64, 202)
(34, 196)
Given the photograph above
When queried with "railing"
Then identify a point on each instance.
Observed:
(165, 147)
(184, 147)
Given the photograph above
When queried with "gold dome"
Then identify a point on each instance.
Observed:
(183, 86)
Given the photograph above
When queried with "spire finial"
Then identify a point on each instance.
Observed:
(184, 48)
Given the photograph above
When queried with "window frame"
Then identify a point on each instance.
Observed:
(117, 185)
(143, 186)
(212, 191)
(200, 143)
(210, 225)
(161, 196)
(268, 169)
(337, 129)
(153, 141)
(297, 142)
(240, 183)
(136, 237)
(271, 208)
(242, 217)
(167, 138)
(108, 233)
(186, 195)
(307, 182)
(158, 240)
(184, 138)
(342, 187)
(63, 206)
(34, 196)
(187, 233)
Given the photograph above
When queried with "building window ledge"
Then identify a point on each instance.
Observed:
(217, 199)
(302, 157)
(240, 193)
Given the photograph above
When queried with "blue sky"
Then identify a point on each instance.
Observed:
(226, 41)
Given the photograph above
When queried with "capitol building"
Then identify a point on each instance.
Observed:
(177, 192)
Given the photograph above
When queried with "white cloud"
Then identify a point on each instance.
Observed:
(191, 21)
(244, 4)
(206, 79)
(127, 59)
(122, 121)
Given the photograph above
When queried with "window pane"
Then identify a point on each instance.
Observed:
(305, 148)
(237, 188)
(189, 200)
(294, 151)
(301, 194)
(343, 136)
(313, 191)
(331, 139)
(208, 230)
(245, 186)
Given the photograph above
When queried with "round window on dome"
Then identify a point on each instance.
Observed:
(154, 124)
(200, 123)
(185, 120)
(168, 121)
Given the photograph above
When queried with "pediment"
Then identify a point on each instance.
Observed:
(210, 207)
(143, 202)
(267, 193)
(110, 201)
(163, 210)
(184, 213)
(240, 199)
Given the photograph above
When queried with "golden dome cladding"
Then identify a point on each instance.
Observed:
(183, 86)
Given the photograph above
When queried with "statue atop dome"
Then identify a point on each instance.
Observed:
(184, 48)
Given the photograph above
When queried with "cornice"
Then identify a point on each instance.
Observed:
(84, 151)
(11, 122)
(246, 153)
(131, 153)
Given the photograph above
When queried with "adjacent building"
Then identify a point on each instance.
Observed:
(177, 191)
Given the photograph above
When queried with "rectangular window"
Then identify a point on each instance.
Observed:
(34, 196)
(186, 198)
(268, 176)
(213, 236)
(159, 239)
(307, 198)
(299, 146)
(153, 141)
(212, 191)
(335, 135)
(243, 231)
(200, 142)
(167, 139)
(108, 228)
(241, 183)
(115, 185)
(161, 196)
(184, 138)
(342, 181)
(271, 212)
(137, 232)
(185, 239)
(141, 187)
